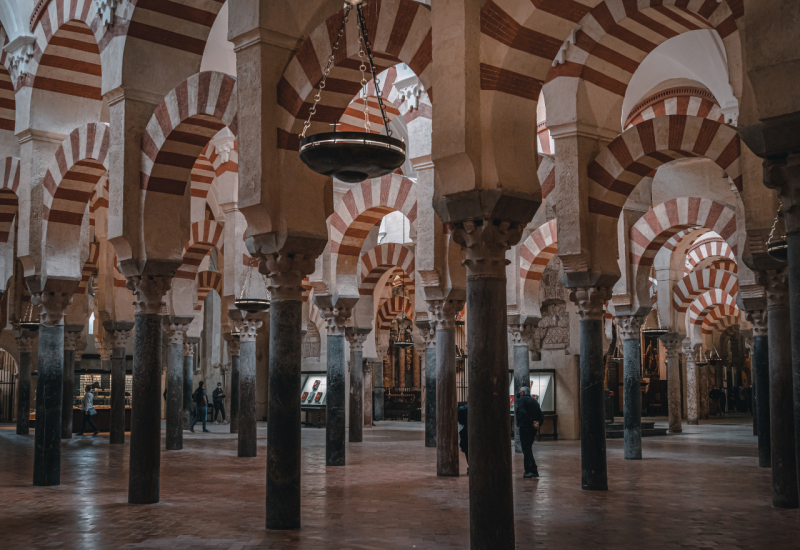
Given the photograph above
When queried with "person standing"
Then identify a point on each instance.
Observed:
(463, 415)
(201, 407)
(87, 406)
(217, 397)
(529, 417)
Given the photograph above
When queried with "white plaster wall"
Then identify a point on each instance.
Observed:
(691, 177)
(219, 54)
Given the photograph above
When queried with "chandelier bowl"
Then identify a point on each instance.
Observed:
(251, 305)
(778, 250)
(352, 156)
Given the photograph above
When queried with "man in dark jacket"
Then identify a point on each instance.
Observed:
(529, 417)
(463, 415)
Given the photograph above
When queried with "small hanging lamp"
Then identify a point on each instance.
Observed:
(656, 332)
(776, 244)
(252, 305)
(352, 157)
(30, 321)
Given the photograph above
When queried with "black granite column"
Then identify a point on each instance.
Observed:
(188, 390)
(759, 362)
(246, 417)
(356, 338)
(428, 331)
(378, 389)
(672, 344)
(49, 387)
(782, 434)
(692, 383)
(25, 342)
(629, 327)
(119, 333)
(590, 301)
(520, 333)
(233, 390)
(792, 217)
(445, 312)
(176, 332)
(71, 335)
(145, 456)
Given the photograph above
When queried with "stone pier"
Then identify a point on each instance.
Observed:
(429, 333)
(25, 342)
(672, 344)
(356, 338)
(521, 334)
(71, 335)
(119, 333)
(692, 383)
(629, 330)
(246, 417)
(368, 393)
(759, 361)
(176, 331)
(233, 391)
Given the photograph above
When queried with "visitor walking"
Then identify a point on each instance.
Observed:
(722, 399)
(463, 415)
(201, 407)
(217, 397)
(87, 406)
(529, 417)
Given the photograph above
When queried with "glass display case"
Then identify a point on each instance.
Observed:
(543, 384)
(314, 391)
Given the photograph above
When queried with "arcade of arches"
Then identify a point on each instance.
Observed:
(600, 200)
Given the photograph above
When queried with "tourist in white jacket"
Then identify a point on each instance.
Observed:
(88, 410)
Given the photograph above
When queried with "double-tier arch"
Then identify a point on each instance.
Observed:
(535, 254)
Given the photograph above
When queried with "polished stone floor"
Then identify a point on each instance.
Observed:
(701, 489)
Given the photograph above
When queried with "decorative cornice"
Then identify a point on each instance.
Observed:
(38, 11)
(678, 91)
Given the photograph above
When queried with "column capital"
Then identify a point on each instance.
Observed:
(335, 310)
(247, 329)
(689, 349)
(758, 318)
(776, 283)
(427, 329)
(673, 342)
(25, 343)
(590, 301)
(381, 351)
(120, 338)
(188, 350)
(149, 292)
(520, 334)
(105, 352)
(52, 306)
(485, 243)
(286, 273)
(71, 335)
(356, 339)
(630, 326)
(178, 326)
(444, 312)
(233, 345)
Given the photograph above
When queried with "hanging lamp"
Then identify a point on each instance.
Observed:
(30, 321)
(252, 305)
(776, 244)
(352, 157)
(657, 331)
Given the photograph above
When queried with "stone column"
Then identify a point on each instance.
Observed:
(705, 388)
(429, 333)
(368, 393)
(629, 330)
(188, 390)
(356, 337)
(283, 421)
(335, 311)
(119, 333)
(233, 413)
(246, 417)
(25, 342)
(759, 361)
(672, 343)
(491, 504)
(590, 301)
(781, 399)
(177, 327)
(49, 386)
(378, 385)
(71, 335)
(444, 312)
(144, 472)
(692, 383)
(520, 334)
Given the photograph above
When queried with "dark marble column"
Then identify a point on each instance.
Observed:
(705, 388)
(445, 312)
(672, 344)
(49, 386)
(590, 301)
(283, 420)
(782, 433)
(367, 421)
(119, 333)
(144, 473)
(25, 342)
(246, 417)
(71, 335)
(233, 412)
(188, 390)
(175, 330)
(520, 335)
(356, 338)
(335, 310)
(692, 383)
(629, 330)
(759, 361)
(377, 387)
(429, 333)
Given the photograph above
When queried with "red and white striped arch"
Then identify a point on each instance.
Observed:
(726, 265)
(706, 302)
(89, 268)
(202, 175)
(639, 151)
(390, 309)
(719, 319)
(696, 283)
(205, 235)
(676, 239)
(400, 31)
(534, 255)
(397, 98)
(354, 115)
(9, 201)
(79, 164)
(547, 174)
(8, 102)
(99, 203)
(685, 100)
(710, 250)
(206, 282)
(119, 278)
(381, 259)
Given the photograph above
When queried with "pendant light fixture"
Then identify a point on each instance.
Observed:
(30, 321)
(352, 157)
(252, 305)
(656, 332)
(776, 244)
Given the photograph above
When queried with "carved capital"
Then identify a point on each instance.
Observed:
(356, 341)
(149, 292)
(188, 350)
(485, 243)
(233, 346)
(521, 335)
(52, 307)
(444, 312)
(428, 334)
(335, 310)
(120, 338)
(177, 333)
(71, 340)
(590, 301)
(629, 327)
(759, 320)
(776, 283)
(247, 329)
(689, 349)
(25, 344)
(286, 273)
(381, 351)
(672, 344)
(105, 353)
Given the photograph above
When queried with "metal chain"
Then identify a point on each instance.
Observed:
(363, 27)
(325, 73)
(246, 281)
(363, 68)
(775, 223)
